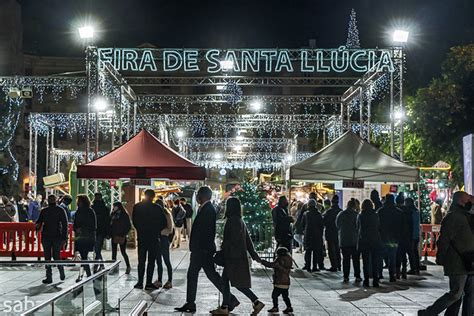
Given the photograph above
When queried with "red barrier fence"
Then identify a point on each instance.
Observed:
(22, 240)
(429, 236)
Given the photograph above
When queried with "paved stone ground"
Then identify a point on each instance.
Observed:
(322, 293)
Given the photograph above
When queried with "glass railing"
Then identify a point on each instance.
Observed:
(89, 296)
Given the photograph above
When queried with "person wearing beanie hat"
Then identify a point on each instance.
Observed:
(281, 279)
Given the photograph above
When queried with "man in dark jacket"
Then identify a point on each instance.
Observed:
(52, 222)
(102, 213)
(203, 247)
(405, 237)
(148, 219)
(346, 223)
(313, 241)
(282, 224)
(456, 239)
(330, 232)
(390, 231)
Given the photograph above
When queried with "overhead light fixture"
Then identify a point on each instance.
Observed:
(226, 65)
(100, 104)
(237, 147)
(288, 157)
(86, 32)
(180, 133)
(256, 105)
(400, 36)
(218, 156)
(239, 137)
(398, 115)
(220, 87)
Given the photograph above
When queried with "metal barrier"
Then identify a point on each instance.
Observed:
(22, 240)
(99, 304)
(139, 309)
(429, 236)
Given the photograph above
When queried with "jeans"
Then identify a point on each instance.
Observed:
(299, 239)
(99, 242)
(402, 252)
(467, 300)
(349, 253)
(371, 260)
(165, 254)
(52, 249)
(390, 253)
(334, 253)
(284, 293)
(177, 237)
(147, 248)
(123, 250)
(414, 255)
(226, 297)
(457, 283)
(202, 260)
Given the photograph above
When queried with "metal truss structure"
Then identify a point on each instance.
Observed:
(132, 100)
(295, 82)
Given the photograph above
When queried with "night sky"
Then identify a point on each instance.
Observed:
(435, 25)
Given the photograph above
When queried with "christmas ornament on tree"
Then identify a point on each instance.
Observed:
(352, 32)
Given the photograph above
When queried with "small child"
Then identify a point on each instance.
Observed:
(281, 279)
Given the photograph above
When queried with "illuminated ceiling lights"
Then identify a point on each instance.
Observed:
(180, 133)
(226, 65)
(100, 104)
(256, 105)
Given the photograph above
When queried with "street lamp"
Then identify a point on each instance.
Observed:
(86, 32)
(400, 36)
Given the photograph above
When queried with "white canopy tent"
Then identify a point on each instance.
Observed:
(351, 158)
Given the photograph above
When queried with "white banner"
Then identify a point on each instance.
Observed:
(468, 162)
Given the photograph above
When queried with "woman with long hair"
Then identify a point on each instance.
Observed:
(85, 226)
(369, 242)
(120, 225)
(236, 244)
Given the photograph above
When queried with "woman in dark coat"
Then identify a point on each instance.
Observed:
(85, 226)
(120, 225)
(313, 237)
(369, 242)
(236, 244)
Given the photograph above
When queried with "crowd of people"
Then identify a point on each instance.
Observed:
(384, 233)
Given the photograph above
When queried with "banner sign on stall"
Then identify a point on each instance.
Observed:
(336, 60)
(468, 161)
(141, 182)
(355, 184)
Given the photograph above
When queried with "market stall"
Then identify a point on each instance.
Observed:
(352, 162)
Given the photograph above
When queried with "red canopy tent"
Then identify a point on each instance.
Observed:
(142, 157)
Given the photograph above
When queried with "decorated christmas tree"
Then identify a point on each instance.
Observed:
(257, 214)
(353, 32)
